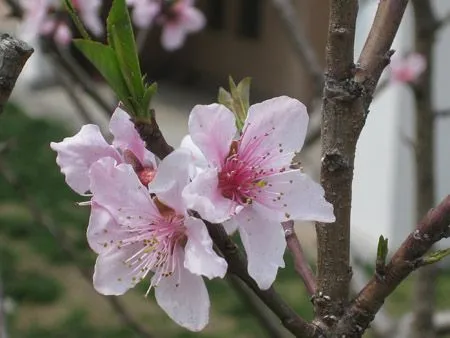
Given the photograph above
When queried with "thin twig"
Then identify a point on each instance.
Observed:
(305, 51)
(301, 264)
(433, 227)
(47, 223)
(13, 55)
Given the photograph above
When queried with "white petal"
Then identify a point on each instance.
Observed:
(264, 244)
(293, 195)
(184, 297)
(171, 178)
(212, 128)
(193, 20)
(277, 127)
(118, 189)
(197, 155)
(200, 258)
(203, 196)
(103, 231)
(173, 36)
(76, 154)
(112, 275)
(126, 137)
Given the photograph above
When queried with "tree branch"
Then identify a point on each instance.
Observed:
(301, 264)
(433, 227)
(342, 119)
(13, 55)
(288, 15)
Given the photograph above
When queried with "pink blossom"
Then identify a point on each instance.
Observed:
(89, 11)
(76, 154)
(407, 69)
(178, 19)
(250, 184)
(135, 234)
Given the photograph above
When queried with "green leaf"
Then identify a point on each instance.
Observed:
(382, 252)
(105, 60)
(121, 39)
(435, 257)
(76, 19)
(224, 98)
(243, 92)
(150, 91)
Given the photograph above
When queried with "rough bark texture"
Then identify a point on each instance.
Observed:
(13, 55)
(424, 284)
(433, 227)
(342, 121)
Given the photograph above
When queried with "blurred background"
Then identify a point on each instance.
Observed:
(45, 262)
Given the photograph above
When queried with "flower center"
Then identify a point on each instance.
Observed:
(238, 180)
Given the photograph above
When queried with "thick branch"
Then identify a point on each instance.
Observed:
(305, 51)
(301, 264)
(433, 227)
(13, 55)
(342, 121)
(376, 53)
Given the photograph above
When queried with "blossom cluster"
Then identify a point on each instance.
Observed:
(176, 17)
(142, 209)
(43, 17)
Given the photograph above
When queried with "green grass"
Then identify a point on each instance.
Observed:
(40, 277)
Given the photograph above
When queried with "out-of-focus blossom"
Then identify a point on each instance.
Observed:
(250, 184)
(76, 154)
(178, 19)
(407, 69)
(136, 234)
(42, 17)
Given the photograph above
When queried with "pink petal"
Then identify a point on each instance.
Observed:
(171, 178)
(184, 297)
(118, 189)
(76, 154)
(417, 64)
(198, 158)
(212, 128)
(112, 275)
(192, 19)
(144, 12)
(203, 196)
(127, 137)
(103, 232)
(293, 195)
(277, 126)
(264, 244)
(173, 36)
(200, 257)
(63, 34)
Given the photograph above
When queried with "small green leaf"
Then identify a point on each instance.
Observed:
(435, 257)
(121, 39)
(224, 98)
(243, 91)
(105, 60)
(382, 252)
(150, 91)
(76, 19)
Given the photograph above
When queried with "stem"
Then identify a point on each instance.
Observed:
(342, 121)
(301, 264)
(433, 227)
(13, 56)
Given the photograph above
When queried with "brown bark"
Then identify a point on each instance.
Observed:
(13, 55)
(433, 227)
(424, 290)
(342, 121)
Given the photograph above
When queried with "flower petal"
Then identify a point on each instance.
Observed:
(293, 195)
(212, 128)
(197, 155)
(173, 36)
(144, 12)
(192, 19)
(171, 178)
(274, 129)
(203, 196)
(126, 137)
(103, 231)
(200, 258)
(76, 154)
(113, 275)
(264, 244)
(118, 189)
(184, 297)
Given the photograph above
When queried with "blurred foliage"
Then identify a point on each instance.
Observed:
(54, 301)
